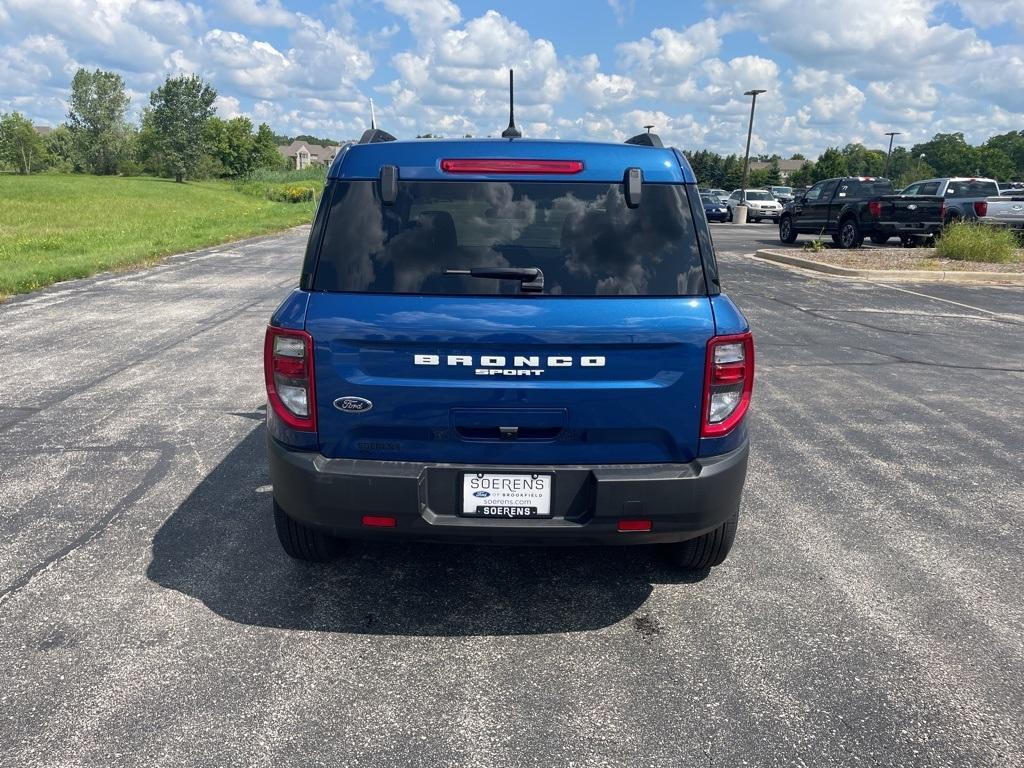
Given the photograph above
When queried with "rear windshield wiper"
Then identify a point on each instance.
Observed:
(531, 278)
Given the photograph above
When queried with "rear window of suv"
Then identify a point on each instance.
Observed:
(582, 236)
(972, 189)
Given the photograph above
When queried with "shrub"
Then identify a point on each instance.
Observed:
(966, 241)
(291, 193)
(294, 192)
(276, 176)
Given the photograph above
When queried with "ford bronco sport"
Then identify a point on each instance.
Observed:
(509, 341)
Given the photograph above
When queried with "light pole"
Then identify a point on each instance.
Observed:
(750, 129)
(891, 135)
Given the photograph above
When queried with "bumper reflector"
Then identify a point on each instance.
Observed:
(379, 521)
(634, 525)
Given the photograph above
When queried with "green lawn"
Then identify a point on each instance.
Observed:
(60, 227)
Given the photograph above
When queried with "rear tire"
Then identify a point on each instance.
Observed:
(879, 239)
(849, 234)
(305, 543)
(705, 551)
(787, 233)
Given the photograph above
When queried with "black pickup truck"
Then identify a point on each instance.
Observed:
(851, 208)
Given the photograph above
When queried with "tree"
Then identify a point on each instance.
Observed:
(861, 161)
(830, 164)
(20, 145)
(1010, 144)
(179, 111)
(312, 140)
(96, 119)
(265, 148)
(773, 176)
(239, 151)
(804, 176)
(60, 146)
(949, 154)
(707, 166)
(757, 179)
(797, 156)
(732, 172)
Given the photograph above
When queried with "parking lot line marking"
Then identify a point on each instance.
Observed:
(950, 301)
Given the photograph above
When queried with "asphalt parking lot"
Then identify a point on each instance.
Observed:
(870, 613)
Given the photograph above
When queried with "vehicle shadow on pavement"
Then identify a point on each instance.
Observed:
(220, 547)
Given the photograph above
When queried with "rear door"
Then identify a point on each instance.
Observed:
(604, 365)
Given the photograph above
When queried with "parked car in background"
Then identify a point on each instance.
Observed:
(782, 194)
(720, 194)
(963, 196)
(851, 208)
(1005, 209)
(760, 204)
(714, 208)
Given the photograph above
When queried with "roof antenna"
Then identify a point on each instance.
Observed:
(511, 132)
(373, 118)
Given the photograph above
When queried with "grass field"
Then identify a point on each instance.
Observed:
(61, 226)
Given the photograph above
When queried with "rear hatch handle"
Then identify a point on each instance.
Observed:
(531, 278)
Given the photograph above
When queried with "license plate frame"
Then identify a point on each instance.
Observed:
(506, 495)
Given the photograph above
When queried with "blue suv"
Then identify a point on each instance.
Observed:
(510, 341)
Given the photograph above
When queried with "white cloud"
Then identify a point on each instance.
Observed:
(425, 17)
(987, 13)
(457, 82)
(667, 53)
(621, 9)
(258, 13)
(834, 73)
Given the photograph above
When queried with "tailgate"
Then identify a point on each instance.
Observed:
(471, 379)
(916, 210)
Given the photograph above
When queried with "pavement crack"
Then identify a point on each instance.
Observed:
(165, 454)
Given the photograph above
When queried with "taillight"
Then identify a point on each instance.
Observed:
(511, 166)
(942, 211)
(981, 207)
(876, 209)
(288, 368)
(728, 382)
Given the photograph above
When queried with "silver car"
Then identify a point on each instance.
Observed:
(761, 204)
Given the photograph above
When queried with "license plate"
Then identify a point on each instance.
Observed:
(506, 496)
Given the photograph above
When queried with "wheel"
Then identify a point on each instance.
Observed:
(786, 232)
(303, 542)
(879, 239)
(705, 551)
(849, 234)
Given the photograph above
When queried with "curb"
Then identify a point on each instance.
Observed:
(912, 275)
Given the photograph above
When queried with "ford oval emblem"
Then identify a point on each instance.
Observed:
(1018, 207)
(351, 404)
(481, 494)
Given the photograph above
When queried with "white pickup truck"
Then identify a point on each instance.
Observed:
(1006, 210)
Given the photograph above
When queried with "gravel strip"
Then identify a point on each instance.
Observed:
(903, 258)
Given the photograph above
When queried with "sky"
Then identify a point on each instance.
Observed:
(834, 71)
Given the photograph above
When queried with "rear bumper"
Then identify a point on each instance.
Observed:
(1007, 223)
(907, 229)
(681, 500)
